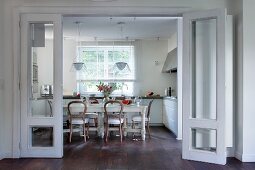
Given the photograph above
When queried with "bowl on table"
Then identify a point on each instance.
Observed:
(126, 101)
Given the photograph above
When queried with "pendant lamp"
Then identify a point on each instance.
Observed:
(78, 65)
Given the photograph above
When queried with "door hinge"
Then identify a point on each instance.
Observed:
(19, 86)
(19, 146)
(19, 24)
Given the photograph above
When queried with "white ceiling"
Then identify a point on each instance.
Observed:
(109, 28)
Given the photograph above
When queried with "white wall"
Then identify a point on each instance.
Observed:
(69, 78)
(45, 63)
(7, 65)
(172, 44)
(1, 79)
(248, 81)
(238, 103)
(200, 4)
(7, 35)
(149, 76)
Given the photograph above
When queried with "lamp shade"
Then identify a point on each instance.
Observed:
(78, 65)
(122, 65)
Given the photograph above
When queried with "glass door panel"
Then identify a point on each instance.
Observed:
(203, 139)
(41, 38)
(204, 69)
(41, 136)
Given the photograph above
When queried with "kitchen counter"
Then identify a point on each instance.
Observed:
(99, 97)
(170, 98)
(152, 97)
(51, 97)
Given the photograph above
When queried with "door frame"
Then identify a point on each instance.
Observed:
(89, 11)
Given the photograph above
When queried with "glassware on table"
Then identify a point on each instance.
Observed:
(87, 99)
(82, 97)
(138, 100)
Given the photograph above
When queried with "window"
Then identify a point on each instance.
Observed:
(100, 66)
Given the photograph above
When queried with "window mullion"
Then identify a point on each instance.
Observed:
(105, 63)
(102, 60)
(97, 64)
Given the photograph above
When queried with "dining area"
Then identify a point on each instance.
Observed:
(94, 91)
(90, 115)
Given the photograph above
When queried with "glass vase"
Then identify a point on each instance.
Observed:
(106, 98)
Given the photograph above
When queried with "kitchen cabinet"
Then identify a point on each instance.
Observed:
(170, 114)
(156, 111)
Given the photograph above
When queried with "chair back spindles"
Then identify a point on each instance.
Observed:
(76, 114)
(149, 108)
(113, 116)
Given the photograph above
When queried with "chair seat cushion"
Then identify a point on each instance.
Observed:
(139, 119)
(91, 115)
(79, 121)
(115, 121)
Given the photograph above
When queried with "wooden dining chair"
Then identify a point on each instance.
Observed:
(113, 116)
(138, 119)
(92, 116)
(76, 116)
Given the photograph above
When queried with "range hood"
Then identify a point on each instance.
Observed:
(170, 64)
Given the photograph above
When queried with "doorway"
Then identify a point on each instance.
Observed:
(60, 100)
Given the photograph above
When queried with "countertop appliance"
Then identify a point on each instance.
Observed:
(168, 91)
(46, 90)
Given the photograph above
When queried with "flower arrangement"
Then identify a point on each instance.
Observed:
(106, 89)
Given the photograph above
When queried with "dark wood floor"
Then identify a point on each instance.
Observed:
(162, 151)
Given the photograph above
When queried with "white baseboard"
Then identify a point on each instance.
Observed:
(16, 154)
(230, 152)
(238, 156)
(248, 158)
(5, 155)
(245, 157)
(178, 138)
(156, 124)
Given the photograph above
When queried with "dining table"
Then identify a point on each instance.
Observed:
(127, 109)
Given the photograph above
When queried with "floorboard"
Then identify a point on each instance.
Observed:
(162, 151)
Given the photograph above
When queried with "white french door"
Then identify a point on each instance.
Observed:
(204, 86)
(41, 70)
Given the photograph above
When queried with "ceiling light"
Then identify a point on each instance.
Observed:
(78, 65)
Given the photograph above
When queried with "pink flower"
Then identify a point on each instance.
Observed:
(105, 88)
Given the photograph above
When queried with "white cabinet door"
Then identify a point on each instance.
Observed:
(171, 115)
(156, 114)
(204, 86)
(164, 114)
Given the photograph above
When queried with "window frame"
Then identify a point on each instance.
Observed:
(128, 83)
